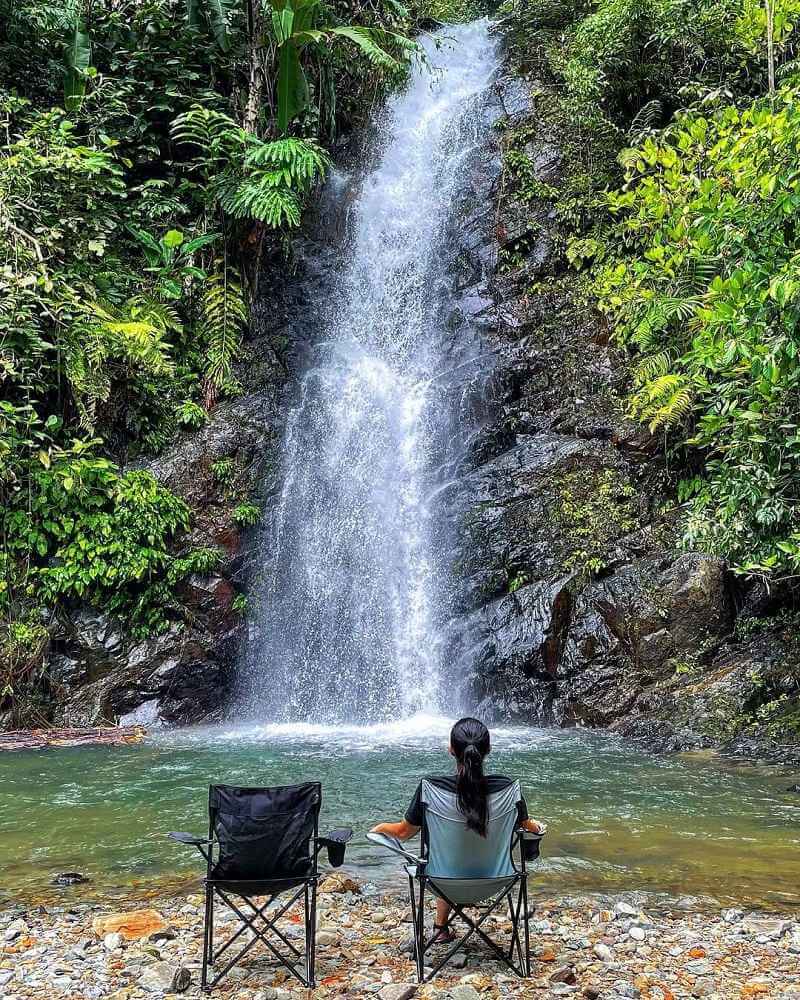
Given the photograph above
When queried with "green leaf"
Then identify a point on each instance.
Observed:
(217, 14)
(292, 86)
(172, 239)
(77, 58)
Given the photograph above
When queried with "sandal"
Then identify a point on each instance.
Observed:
(443, 934)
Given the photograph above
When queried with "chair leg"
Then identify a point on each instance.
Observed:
(311, 934)
(420, 931)
(208, 937)
(526, 964)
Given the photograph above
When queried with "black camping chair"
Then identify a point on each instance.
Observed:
(443, 834)
(263, 842)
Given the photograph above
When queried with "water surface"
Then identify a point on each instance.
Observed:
(618, 820)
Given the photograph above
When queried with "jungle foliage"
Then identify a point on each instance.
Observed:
(154, 158)
(688, 182)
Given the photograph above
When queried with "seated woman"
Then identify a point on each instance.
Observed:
(469, 745)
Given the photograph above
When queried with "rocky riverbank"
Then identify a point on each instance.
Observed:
(612, 950)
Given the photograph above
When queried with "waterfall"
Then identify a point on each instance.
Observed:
(355, 591)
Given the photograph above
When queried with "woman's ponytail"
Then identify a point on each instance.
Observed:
(469, 741)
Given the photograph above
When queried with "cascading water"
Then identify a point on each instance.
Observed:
(354, 598)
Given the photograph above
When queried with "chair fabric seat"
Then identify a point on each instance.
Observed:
(248, 888)
(471, 891)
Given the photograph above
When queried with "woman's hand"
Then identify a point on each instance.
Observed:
(402, 830)
(533, 826)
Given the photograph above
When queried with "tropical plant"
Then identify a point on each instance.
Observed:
(700, 272)
(247, 177)
(297, 24)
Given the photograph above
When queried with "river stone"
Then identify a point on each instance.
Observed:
(564, 974)
(327, 938)
(769, 929)
(113, 941)
(464, 992)
(15, 929)
(603, 952)
(397, 991)
(637, 933)
(69, 878)
(165, 978)
(132, 926)
(624, 909)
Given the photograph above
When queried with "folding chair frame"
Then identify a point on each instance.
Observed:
(300, 964)
(516, 893)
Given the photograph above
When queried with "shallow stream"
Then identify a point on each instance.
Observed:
(619, 820)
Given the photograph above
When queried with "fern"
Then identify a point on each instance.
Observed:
(663, 401)
(257, 198)
(131, 334)
(646, 120)
(224, 315)
(248, 178)
(294, 162)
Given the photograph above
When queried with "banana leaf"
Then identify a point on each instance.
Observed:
(77, 59)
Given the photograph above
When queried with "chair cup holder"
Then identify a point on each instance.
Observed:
(336, 854)
(531, 850)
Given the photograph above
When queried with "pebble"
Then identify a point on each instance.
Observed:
(685, 956)
(625, 989)
(397, 991)
(464, 992)
(564, 974)
(15, 929)
(623, 909)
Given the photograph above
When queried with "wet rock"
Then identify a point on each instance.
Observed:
(69, 878)
(165, 978)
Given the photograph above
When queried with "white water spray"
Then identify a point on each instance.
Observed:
(353, 603)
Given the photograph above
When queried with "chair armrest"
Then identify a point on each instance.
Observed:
(396, 846)
(342, 835)
(336, 841)
(190, 840)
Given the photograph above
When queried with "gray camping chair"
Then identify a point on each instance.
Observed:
(469, 871)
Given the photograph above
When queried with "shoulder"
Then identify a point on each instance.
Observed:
(446, 782)
(500, 782)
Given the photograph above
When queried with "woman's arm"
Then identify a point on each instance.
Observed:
(402, 830)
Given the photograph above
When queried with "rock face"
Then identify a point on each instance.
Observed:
(576, 603)
(101, 673)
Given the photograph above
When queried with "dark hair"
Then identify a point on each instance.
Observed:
(469, 740)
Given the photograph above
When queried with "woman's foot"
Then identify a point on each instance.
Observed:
(443, 934)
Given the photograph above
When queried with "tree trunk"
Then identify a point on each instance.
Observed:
(255, 28)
